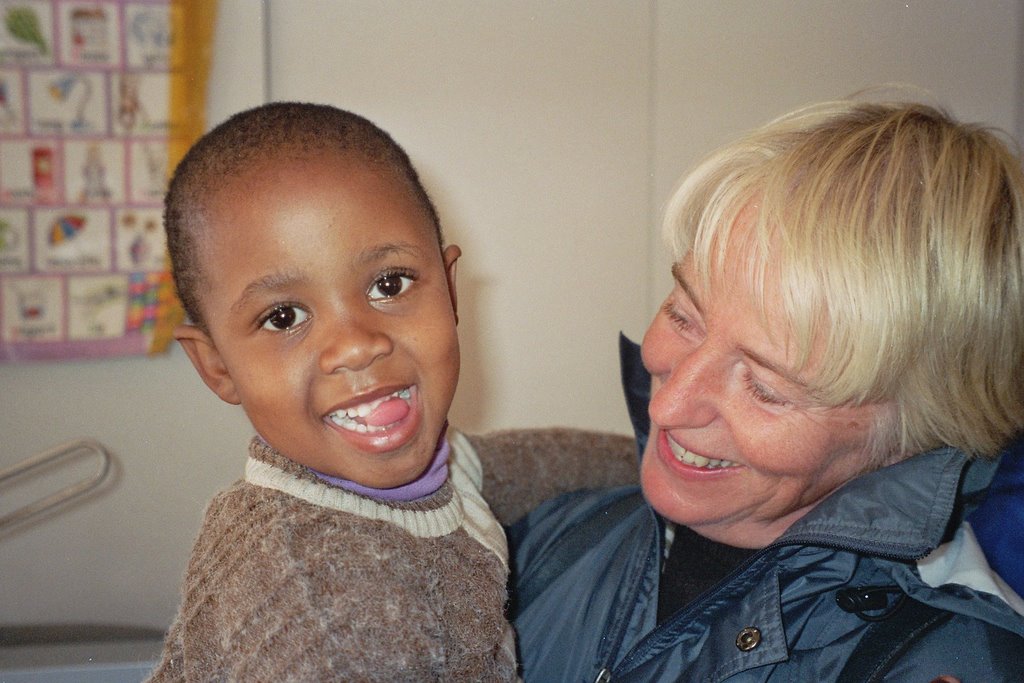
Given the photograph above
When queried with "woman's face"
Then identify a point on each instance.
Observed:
(738, 450)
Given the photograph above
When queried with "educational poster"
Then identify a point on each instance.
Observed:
(98, 100)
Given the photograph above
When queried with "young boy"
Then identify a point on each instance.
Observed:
(321, 299)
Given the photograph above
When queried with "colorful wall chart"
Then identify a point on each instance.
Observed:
(92, 116)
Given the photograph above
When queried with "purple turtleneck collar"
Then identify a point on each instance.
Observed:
(431, 480)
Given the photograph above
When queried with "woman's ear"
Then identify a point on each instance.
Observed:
(451, 255)
(207, 361)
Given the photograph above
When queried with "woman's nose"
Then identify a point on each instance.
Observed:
(353, 344)
(686, 397)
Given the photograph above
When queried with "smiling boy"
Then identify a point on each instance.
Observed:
(322, 300)
(329, 315)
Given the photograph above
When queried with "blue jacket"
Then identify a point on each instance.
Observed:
(586, 608)
(999, 520)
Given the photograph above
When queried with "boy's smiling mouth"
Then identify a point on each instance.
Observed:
(376, 415)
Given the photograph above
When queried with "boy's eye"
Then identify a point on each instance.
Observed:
(389, 286)
(284, 318)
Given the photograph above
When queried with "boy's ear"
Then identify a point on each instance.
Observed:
(451, 255)
(207, 361)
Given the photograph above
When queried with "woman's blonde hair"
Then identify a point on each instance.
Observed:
(893, 236)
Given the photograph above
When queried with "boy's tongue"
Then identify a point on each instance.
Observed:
(388, 412)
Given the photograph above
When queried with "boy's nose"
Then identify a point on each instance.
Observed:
(352, 345)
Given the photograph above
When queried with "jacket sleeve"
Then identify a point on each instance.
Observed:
(524, 467)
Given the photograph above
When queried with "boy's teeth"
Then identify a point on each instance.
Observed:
(685, 456)
(348, 418)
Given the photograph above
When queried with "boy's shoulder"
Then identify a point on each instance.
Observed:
(260, 530)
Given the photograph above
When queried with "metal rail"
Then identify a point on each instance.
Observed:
(73, 449)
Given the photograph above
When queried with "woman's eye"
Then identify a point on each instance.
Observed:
(763, 393)
(678, 320)
(389, 286)
(284, 318)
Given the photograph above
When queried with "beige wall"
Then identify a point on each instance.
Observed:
(549, 134)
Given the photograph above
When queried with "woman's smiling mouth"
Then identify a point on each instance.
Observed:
(687, 458)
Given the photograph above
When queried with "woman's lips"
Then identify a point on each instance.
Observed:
(691, 459)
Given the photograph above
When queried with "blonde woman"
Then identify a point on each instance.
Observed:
(838, 363)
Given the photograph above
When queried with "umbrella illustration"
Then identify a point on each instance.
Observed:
(66, 228)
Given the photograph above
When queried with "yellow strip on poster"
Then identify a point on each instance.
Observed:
(191, 57)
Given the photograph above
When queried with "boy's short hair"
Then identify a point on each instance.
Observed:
(253, 136)
(893, 236)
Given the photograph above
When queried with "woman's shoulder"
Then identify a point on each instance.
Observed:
(966, 647)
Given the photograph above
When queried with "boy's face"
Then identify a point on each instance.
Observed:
(331, 316)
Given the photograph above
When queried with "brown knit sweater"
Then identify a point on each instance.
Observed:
(312, 583)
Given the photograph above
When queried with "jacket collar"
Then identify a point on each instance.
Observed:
(901, 511)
